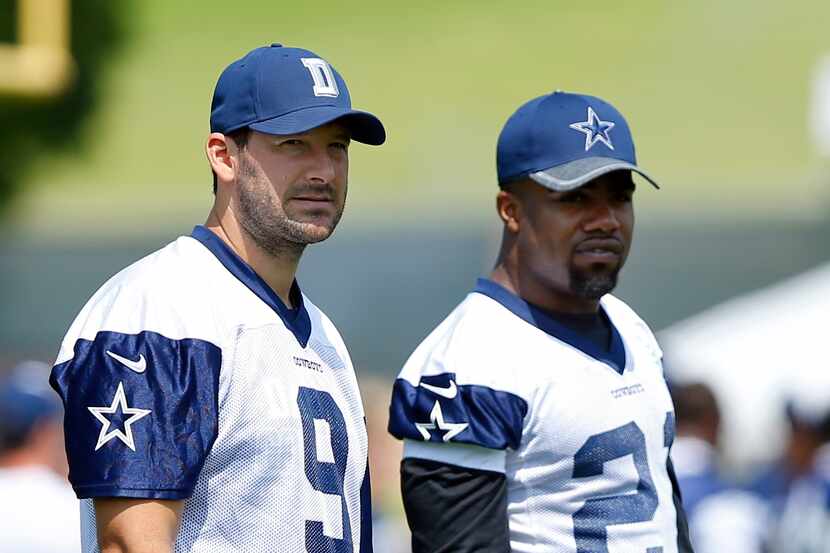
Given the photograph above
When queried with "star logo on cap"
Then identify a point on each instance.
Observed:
(595, 129)
(119, 410)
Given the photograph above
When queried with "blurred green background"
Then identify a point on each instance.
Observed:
(716, 93)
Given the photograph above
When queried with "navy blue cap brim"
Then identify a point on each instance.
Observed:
(20, 411)
(572, 175)
(363, 126)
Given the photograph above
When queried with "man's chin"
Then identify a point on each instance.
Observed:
(593, 286)
(311, 233)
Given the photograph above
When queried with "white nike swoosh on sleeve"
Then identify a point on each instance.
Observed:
(139, 366)
(449, 392)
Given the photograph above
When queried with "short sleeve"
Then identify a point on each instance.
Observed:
(437, 409)
(141, 413)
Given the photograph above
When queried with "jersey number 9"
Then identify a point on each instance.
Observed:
(325, 476)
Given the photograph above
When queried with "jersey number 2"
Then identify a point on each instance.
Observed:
(325, 476)
(592, 520)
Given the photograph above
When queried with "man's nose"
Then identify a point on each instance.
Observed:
(602, 217)
(321, 167)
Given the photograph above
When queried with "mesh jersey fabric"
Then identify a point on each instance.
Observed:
(258, 410)
(583, 443)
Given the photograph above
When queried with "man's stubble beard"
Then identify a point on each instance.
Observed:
(593, 285)
(263, 217)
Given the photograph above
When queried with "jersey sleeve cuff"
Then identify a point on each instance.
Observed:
(87, 492)
(460, 455)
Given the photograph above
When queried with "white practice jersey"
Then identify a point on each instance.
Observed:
(581, 435)
(40, 513)
(185, 377)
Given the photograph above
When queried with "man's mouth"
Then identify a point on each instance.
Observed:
(313, 198)
(600, 245)
(600, 250)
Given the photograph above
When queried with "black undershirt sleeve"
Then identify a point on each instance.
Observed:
(453, 509)
(684, 544)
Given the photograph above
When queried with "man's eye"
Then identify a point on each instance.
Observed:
(340, 146)
(572, 197)
(291, 142)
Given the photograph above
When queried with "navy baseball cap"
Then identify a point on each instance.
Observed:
(25, 400)
(563, 140)
(280, 90)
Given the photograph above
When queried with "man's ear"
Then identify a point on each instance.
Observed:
(509, 209)
(220, 157)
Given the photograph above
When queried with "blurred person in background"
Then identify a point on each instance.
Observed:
(791, 487)
(774, 482)
(802, 514)
(39, 512)
(721, 516)
(695, 446)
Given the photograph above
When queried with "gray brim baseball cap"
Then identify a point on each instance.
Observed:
(564, 140)
(574, 174)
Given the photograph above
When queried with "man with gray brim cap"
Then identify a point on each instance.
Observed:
(536, 417)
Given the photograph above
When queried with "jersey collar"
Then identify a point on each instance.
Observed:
(546, 322)
(296, 320)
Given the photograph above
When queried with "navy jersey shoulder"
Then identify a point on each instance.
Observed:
(141, 413)
(458, 385)
(138, 374)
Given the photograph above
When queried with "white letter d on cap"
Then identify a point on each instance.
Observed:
(324, 83)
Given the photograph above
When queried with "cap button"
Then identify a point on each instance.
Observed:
(276, 45)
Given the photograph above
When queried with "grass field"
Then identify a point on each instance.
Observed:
(715, 91)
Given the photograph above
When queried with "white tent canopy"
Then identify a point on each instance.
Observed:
(757, 352)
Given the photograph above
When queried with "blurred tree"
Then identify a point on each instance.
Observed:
(35, 128)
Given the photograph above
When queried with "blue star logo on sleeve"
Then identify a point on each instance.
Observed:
(119, 411)
(595, 129)
(436, 421)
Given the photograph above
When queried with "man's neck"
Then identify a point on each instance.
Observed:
(27, 458)
(278, 272)
(508, 276)
(18, 458)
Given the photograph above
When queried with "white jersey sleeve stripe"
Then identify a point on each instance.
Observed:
(460, 455)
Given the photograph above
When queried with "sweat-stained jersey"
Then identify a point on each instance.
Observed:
(582, 436)
(185, 377)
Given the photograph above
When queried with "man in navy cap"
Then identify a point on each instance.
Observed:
(39, 512)
(210, 406)
(536, 417)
